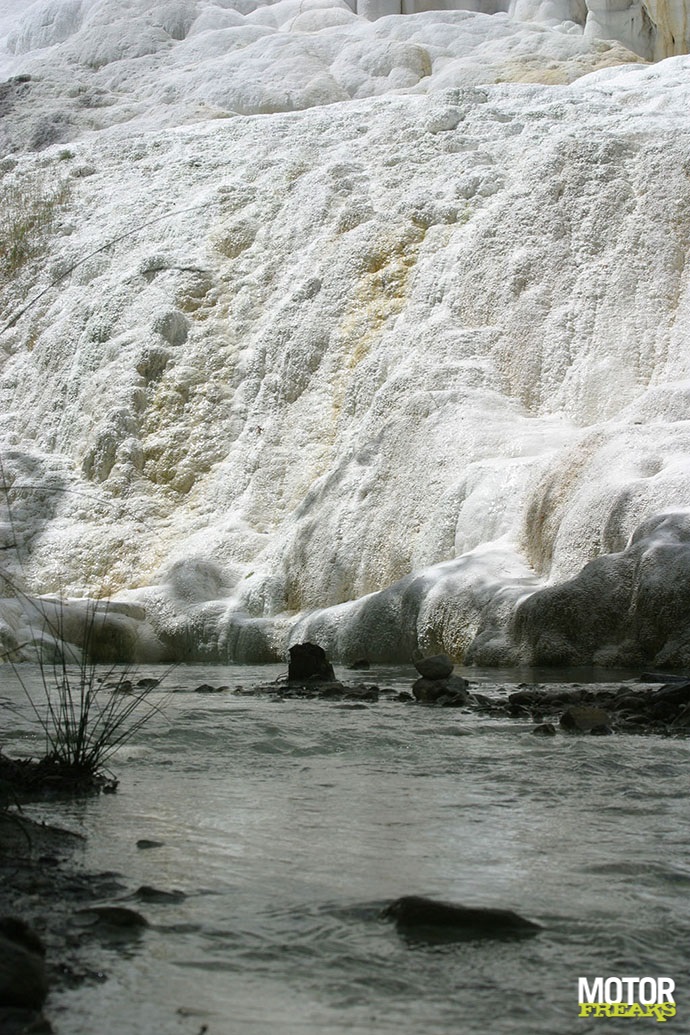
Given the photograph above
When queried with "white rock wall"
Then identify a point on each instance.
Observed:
(369, 362)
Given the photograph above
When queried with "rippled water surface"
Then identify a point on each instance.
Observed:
(289, 824)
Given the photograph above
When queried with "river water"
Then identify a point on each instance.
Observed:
(288, 825)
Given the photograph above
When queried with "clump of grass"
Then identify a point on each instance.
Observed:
(85, 710)
(30, 206)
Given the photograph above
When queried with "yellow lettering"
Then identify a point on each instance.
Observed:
(617, 1010)
(661, 1011)
(635, 1010)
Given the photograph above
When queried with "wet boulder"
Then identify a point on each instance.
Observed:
(581, 718)
(119, 918)
(668, 700)
(361, 664)
(451, 692)
(439, 666)
(528, 697)
(423, 919)
(307, 662)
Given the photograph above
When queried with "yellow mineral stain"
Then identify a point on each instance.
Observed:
(380, 293)
(378, 296)
(561, 73)
(671, 21)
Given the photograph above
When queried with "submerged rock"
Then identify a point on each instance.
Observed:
(661, 677)
(424, 919)
(146, 893)
(545, 729)
(583, 719)
(119, 917)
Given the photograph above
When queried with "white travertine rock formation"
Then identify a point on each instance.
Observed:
(366, 330)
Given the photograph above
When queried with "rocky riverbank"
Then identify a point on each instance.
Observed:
(44, 945)
(54, 916)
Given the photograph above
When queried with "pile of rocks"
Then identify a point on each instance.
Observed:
(437, 684)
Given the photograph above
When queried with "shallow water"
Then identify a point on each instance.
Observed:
(288, 825)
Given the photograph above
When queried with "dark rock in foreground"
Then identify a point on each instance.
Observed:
(423, 919)
(308, 661)
(23, 979)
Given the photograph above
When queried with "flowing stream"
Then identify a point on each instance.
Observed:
(288, 825)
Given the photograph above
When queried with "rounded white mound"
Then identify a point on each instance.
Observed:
(387, 373)
(94, 64)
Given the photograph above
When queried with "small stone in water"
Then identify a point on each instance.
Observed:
(582, 719)
(114, 916)
(546, 729)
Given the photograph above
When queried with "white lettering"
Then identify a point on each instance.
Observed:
(665, 990)
(628, 983)
(647, 993)
(593, 994)
(613, 990)
(631, 991)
